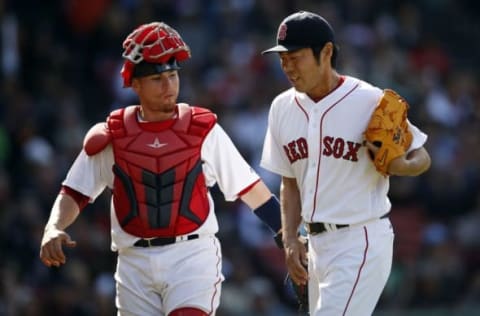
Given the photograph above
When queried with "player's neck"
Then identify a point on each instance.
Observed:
(145, 115)
(331, 82)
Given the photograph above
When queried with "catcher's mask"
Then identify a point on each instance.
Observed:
(152, 48)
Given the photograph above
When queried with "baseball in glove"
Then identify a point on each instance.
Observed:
(388, 130)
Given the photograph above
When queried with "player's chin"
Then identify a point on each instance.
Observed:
(170, 107)
(166, 101)
(298, 85)
(299, 88)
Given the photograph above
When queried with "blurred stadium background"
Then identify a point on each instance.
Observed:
(59, 74)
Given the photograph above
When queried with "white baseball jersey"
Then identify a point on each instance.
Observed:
(320, 144)
(222, 164)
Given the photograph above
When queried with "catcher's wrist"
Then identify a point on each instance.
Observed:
(50, 227)
(269, 213)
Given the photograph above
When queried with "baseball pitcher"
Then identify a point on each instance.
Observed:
(336, 140)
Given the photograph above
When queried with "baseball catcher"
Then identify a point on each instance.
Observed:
(388, 130)
(159, 158)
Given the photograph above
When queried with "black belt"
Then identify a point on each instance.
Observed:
(163, 241)
(317, 228)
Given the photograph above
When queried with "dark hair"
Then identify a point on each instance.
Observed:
(333, 60)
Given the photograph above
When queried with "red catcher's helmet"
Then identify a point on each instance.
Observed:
(153, 43)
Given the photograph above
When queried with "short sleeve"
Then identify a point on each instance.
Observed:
(419, 138)
(273, 155)
(224, 165)
(90, 175)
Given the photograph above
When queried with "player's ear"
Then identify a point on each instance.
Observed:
(136, 85)
(327, 54)
(327, 51)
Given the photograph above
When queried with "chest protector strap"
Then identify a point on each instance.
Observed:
(159, 187)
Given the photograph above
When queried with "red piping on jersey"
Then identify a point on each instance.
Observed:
(359, 270)
(320, 151)
(339, 83)
(301, 107)
(219, 280)
(247, 189)
(187, 311)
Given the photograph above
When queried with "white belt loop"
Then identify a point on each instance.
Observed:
(185, 237)
(181, 238)
(330, 227)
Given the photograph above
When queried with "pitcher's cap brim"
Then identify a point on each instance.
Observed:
(282, 48)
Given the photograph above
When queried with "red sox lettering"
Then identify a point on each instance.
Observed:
(297, 149)
(340, 148)
(332, 146)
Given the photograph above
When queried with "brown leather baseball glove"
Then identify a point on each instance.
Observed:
(388, 130)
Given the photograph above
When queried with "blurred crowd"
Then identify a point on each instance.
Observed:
(59, 74)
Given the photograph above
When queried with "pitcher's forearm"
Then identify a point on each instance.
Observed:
(290, 207)
(413, 164)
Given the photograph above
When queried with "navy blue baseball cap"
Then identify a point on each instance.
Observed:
(300, 30)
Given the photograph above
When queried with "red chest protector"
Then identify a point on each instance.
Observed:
(159, 188)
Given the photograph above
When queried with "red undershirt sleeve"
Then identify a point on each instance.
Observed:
(79, 198)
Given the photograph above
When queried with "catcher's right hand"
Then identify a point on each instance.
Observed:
(51, 252)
